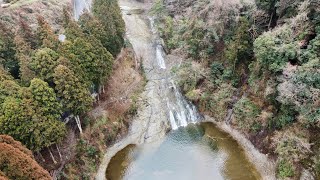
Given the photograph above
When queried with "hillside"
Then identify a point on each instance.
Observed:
(254, 65)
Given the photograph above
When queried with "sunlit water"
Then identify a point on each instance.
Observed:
(195, 152)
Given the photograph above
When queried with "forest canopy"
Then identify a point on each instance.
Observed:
(44, 80)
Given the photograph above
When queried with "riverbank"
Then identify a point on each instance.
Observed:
(264, 165)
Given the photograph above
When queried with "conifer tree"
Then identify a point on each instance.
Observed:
(26, 33)
(95, 61)
(73, 94)
(31, 118)
(16, 162)
(45, 99)
(43, 63)
(8, 51)
(108, 12)
(45, 36)
(23, 55)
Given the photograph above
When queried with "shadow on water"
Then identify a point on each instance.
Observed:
(194, 152)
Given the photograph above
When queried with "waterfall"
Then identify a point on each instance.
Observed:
(184, 112)
(160, 56)
(80, 6)
(181, 112)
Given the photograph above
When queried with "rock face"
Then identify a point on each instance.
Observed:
(151, 122)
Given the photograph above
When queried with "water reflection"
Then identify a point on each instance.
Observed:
(196, 152)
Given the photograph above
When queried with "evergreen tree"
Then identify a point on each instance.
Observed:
(95, 61)
(45, 36)
(8, 88)
(91, 26)
(23, 55)
(45, 99)
(43, 63)
(16, 162)
(3, 176)
(73, 94)
(108, 12)
(8, 51)
(4, 75)
(72, 28)
(26, 33)
(16, 144)
(31, 118)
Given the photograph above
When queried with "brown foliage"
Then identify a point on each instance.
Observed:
(3, 176)
(16, 162)
(16, 144)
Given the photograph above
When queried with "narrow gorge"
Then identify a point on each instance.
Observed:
(167, 139)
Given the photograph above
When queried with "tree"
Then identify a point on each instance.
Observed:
(93, 60)
(73, 94)
(16, 144)
(8, 88)
(45, 99)
(4, 75)
(16, 162)
(43, 63)
(72, 28)
(8, 51)
(109, 14)
(45, 36)
(274, 49)
(92, 26)
(26, 33)
(32, 118)
(3, 176)
(240, 49)
(23, 55)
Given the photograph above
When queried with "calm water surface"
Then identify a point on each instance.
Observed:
(196, 152)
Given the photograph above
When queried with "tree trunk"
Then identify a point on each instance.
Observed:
(78, 123)
(52, 157)
(40, 155)
(59, 152)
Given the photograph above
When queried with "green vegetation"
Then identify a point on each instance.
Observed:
(260, 61)
(285, 169)
(43, 80)
(245, 113)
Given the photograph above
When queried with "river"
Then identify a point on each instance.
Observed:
(190, 153)
(166, 139)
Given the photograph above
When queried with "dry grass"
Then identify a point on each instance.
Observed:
(123, 86)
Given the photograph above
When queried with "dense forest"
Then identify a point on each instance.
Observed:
(45, 80)
(256, 66)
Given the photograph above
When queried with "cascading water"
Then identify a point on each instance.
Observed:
(80, 6)
(160, 56)
(180, 111)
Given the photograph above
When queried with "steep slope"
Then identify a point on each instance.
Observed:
(253, 65)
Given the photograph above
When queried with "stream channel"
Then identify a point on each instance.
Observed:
(167, 139)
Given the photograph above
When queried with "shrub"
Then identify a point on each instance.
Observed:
(246, 113)
(216, 72)
(92, 151)
(216, 103)
(285, 169)
(285, 116)
(274, 49)
(293, 143)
